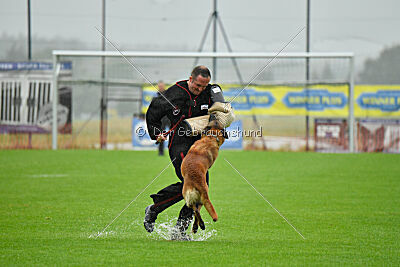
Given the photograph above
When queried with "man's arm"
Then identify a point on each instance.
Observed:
(157, 109)
(216, 94)
(222, 111)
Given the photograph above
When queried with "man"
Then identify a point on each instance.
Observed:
(164, 121)
(186, 99)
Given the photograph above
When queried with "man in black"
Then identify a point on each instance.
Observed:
(186, 99)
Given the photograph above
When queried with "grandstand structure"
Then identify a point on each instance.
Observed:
(26, 93)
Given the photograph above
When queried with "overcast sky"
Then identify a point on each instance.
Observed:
(364, 27)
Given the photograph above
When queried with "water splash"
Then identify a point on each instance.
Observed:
(163, 230)
(100, 234)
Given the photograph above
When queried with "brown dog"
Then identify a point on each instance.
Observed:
(195, 165)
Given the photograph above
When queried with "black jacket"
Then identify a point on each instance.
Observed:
(186, 104)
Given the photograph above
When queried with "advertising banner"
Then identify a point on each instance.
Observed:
(140, 137)
(235, 134)
(289, 101)
(377, 101)
(316, 100)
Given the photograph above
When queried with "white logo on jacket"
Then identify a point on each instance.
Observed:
(176, 111)
(216, 89)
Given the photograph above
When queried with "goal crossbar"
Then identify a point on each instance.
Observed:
(157, 54)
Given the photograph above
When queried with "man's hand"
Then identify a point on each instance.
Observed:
(219, 106)
(161, 138)
(223, 113)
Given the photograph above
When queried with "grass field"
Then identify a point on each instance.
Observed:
(347, 206)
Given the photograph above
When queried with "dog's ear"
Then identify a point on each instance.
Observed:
(213, 123)
(212, 118)
(225, 133)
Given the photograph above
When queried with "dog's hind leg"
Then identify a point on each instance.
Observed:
(201, 222)
(197, 220)
(195, 226)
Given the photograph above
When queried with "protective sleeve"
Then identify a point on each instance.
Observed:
(216, 94)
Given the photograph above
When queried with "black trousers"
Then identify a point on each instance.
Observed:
(172, 194)
(161, 149)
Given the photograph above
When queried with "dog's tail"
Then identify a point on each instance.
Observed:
(209, 207)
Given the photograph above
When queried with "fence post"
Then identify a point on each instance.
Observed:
(56, 70)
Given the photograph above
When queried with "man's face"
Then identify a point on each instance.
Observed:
(161, 87)
(196, 86)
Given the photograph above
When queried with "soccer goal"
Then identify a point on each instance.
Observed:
(276, 96)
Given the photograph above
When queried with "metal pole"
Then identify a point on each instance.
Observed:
(29, 32)
(103, 103)
(56, 69)
(351, 107)
(228, 45)
(215, 14)
(307, 73)
(203, 39)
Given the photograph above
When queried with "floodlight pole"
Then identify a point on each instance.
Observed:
(216, 20)
(215, 16)
(307, 74)
(29, 32)
(103, 103)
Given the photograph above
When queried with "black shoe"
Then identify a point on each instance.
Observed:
(149, 219)
(182, 224)
(185, 218)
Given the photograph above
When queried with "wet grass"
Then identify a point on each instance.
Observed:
(52, 204)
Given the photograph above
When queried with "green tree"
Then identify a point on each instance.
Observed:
(383, 70)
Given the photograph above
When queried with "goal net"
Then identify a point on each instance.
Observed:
(276, 97)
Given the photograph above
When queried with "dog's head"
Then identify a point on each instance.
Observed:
(216, 130)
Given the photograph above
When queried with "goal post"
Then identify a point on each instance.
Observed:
(258, 69)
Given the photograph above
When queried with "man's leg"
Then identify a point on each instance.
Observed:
(162, 200)
(169, 195)
(185, 214)
(185, 218)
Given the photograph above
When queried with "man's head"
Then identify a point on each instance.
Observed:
(161, 86)
(199, 79)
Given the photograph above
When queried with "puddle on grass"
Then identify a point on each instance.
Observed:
(162, 231)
